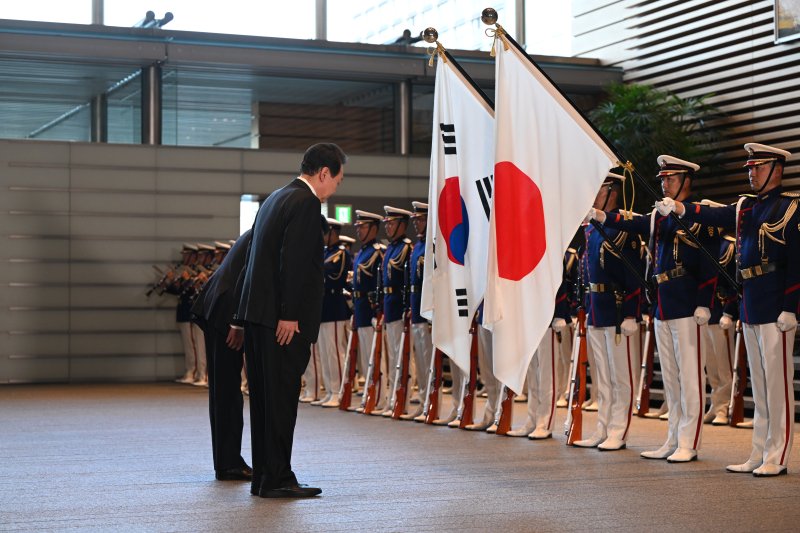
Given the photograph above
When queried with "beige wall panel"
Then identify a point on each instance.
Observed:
(34, 225)
(33, 296)
(584, 6)
(168, 158)
(194, 230)
(36, 152)
(226, 204)
(114, 177)
(20, 320)
(55, 345)
(132, 296)
(35, 174)
(15, 200)
(184, 180)
(121, 204)
(109, 344)
(144, 320)
(115, 368)
(36, 249)
(264, 184)
(35, 370)
(111, 250)
(34, 272)
(169, 367)
(111, 273)
(275, 163)
(112, 226)
(169, 343)
(113, 155)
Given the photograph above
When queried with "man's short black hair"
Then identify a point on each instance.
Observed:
(323, 155)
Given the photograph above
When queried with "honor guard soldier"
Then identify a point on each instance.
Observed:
(394, 283)
(191, 334)
(685, 284)
(613, 313)
(719, 338)
(492, 385)
(571, 262)
(420, 328)
(366, 269)
(332, 341)
(767, 226)
(541, 386)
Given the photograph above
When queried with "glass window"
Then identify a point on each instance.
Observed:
(238, 17)
(70, 11)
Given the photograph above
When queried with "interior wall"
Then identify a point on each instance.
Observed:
(82, 224)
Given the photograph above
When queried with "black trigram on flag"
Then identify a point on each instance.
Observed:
(461, 302)
(448, 137)
(485, 192)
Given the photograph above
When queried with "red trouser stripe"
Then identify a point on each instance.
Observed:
(701, 385)
(630, 381)
(336, 344)
(786, 400)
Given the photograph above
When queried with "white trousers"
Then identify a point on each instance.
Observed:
(615, 376)
(541, 383)
(491, 383)
(312, 377)
(683, 365)
(332, 343)
(719, 367)
(365, 335)
(194, 350)
(394, 332)
(423, 352)
(769, 354)
(563, 362)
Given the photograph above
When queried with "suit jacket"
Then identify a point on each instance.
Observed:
(283, 275)
(218, 301)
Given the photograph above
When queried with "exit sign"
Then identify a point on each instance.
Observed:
(344, 213)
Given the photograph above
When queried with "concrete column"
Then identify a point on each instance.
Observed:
(322, 19)
(100, 119)
(98, 12)
(151, 104)
(403, 117)
(519, 19)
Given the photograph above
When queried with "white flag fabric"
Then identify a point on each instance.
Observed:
(549, 165)
(459, 200)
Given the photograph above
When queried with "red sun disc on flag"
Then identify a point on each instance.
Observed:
(519, 222)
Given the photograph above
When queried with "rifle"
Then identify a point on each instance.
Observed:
(577, 392)
(431, 410)
(373, 388)
(468, 409)
(401, 374)
(503, 420)
(736, 405)
(349, 374)
(646, 376)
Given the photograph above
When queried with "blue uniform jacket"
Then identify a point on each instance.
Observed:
(338, 262)
(671, 248)
(394, 279)
(727, 299)
(417, 270)
(565, 296)
(767, 233)
(602, 266)
(365, 282)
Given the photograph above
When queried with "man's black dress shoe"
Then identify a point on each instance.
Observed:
(242, 473)
(296, 491)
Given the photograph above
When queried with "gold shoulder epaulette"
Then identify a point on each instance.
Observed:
(791, 194)
(748, 195)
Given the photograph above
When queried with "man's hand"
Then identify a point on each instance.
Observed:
(558, 324)
(629, 326)
(668, 205)
(726, 321)
(235, 339)
(787, 321)
(595, 214)
(285, 331)
(702, 315)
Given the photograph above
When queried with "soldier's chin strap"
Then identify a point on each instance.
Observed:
(683, 182)
(608, 195)
(769, 177)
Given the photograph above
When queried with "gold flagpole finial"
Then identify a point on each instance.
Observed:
(431, 36)
(489, 17)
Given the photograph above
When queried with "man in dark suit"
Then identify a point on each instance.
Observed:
(281, 308)
(213, 310)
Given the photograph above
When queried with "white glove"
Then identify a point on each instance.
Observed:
(702, 315)
(665, 206)
(629, 326)
(787, 321)
(595, 214)
(646, 320)
(558, 324)
(726, 321)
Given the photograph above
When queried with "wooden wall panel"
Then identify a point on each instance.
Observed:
(696, 47)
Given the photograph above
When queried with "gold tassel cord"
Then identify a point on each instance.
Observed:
(627, 171)
(434, 50)
(496, 33)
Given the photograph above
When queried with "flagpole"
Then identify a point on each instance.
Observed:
(431, 36)
(489, 17)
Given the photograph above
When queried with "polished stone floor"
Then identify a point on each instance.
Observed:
(138, 458)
